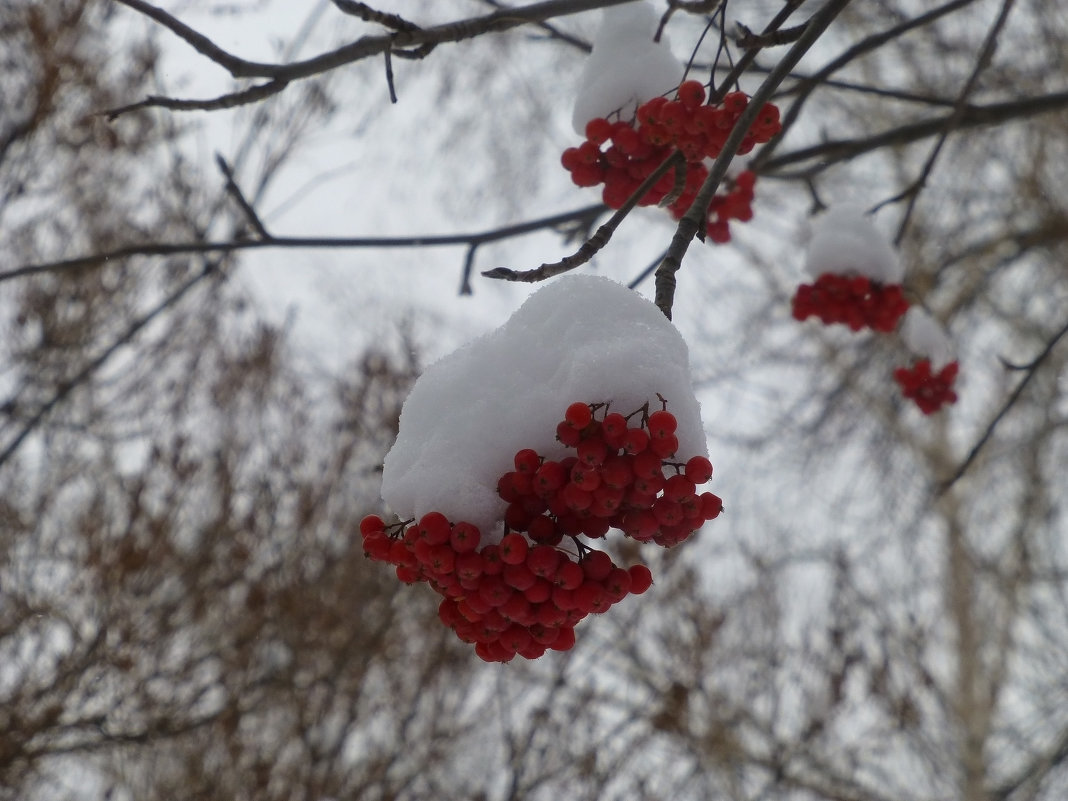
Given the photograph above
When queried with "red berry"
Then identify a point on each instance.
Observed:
(569, 575)
(565, 640)
(617, 584)
(491, 560)
(649, 112)
(464, 537)
(370, 524)
(664, 446)
(597, 565)
(543, 561)
(711, 505)
(468, 566)
(589, 597)
(641, 578)
(592, 452)
(678, 487)
(513, 549)
(637, 440)
(550, 477)
(527, 461)
(578, 415)
(538, 592)
(691, 94)
(661, 424)
(434, 528)
(598, 130)
(698, 469)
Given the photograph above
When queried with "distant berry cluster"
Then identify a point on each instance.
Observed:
(634, 149)
(927, 389)
(525, 594)
(852, 300)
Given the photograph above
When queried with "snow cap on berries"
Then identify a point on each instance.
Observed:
(925, 337)
(846, 242)
(626, 67)
(578, 338)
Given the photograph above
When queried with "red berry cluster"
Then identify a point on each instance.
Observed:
(636, 148)
(525, 594)
(930, 391)
(856, 301)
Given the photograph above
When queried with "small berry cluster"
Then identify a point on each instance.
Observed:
(525, 594)
(856, 301)
(636, 148)
(929, 390)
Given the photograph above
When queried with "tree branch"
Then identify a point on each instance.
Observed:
(873, 42)
(1030, 369)
(583, 216)
(364, 47)
(986, 54)
(837, 150)
(595, 243)
(693, 220)
(79, 378)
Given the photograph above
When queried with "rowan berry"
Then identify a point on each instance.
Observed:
(664, 446)
(491, 560)
(565, 640)
(691, 94)
(578, 415)
(371, 524)
(596, 565)
(698, 469)
(598, 130)
(527, 461)
(538, 592)
(513, 549)
(569, 574)
(641, 578)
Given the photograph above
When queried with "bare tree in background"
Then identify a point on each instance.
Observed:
(184, 608)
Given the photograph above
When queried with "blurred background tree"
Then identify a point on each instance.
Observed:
(185, 611)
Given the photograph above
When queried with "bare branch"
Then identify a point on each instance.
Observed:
(693, 221)
(79, 378)
(238, 67)
(838, 150)
(986, 54)
(585, 216)
(236, 193)
(364, 47)
(1030, 369)
(594, 244)
(368, 14)
(873, 42)
(253, 94)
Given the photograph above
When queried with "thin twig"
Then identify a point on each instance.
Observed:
(254, 94)
(595, 243)
(870, 43)
(389, 77)
(235, 192)
(1031, 370)
(64, 389)
(986, 54)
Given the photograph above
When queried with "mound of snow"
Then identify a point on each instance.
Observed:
(580, 338)
(925, 336)
(626, 67)
(846, 242)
